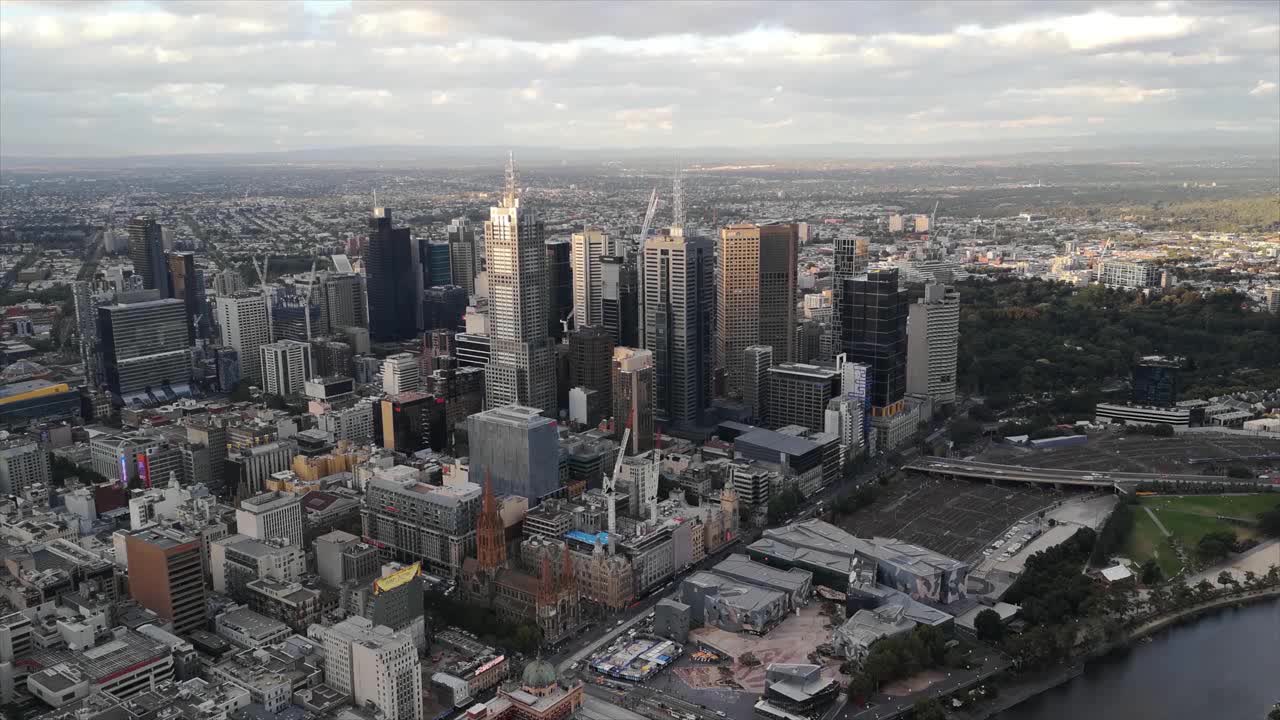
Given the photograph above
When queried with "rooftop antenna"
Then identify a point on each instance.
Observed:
(677, 201)
(375, 198)
(510, 189)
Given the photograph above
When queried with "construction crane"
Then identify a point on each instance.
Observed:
(648, 215)
(609, 483)
(262, 270)
(311, 285)
(933, 221)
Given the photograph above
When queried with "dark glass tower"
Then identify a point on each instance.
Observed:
(146, 250)
(620, 300)
(559, 286)
(443, 307)
(391, 267)
(1155, 381)
(186, 285)
(874, 331)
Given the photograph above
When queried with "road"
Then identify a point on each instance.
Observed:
(594, 708)
(1017, 473)
(883, 707)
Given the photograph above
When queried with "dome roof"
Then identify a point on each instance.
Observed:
(538, 673)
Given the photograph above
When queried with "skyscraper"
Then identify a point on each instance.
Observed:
(590, 247)
(779, 245)
(1155, 381)
(437, 268)
(590, 363)
(87, 330)
(166, 576)
(933, 335)
(443, 307)
(798, 395)
(852, 255)
(874, 331)
(146, 250)
(464, 254)
(374, 665)
(633, 396)
(620, 299)
(143, 346)
(286, 365)
(243, 317)
(343, 302)
(521, 367)
(559, 287)
(737, 301)
(518, 449)
(678, 298)
(401, 374)
(394, 280)
(187, 286)
(755, 389)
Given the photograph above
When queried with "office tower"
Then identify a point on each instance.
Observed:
(400, 374)
(779, 245)
(591, 363)
(22, 464)
(353, 423)
(633, 391)
(248, 468)
(229, 282)
(757, 359)
(208, 431)
(331, 357)
(799, 394)
(87, 330)
(146, 250)
(521, 367)
(187, 286)
(412, 421)
(464, 254)
(1155, 381)
(394, 280)
(559, 287)
(243, 317)
(226, 363)
(342, 301)
(678, 298)
(737, 301)
(410, 520)
(443, 307)
(166, 576)
(518, 448)
(374, 664)
(143, 346)
(933, 336)
(845, 418)
(436, 266)
(852, 255)
(294, 316)
(472, 350)
(589, 248)
(271, 515)
(620, 299)
(874, 332)
(286, 365)
(1129, 275)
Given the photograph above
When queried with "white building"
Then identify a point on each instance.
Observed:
(243, 319)
(845, 417)
(933, 336)
(586, 250)
(353, 423)
(286, 365)
(400, 374)
(373, 664)
(22, 463)
(271, 515)
(1179, 418)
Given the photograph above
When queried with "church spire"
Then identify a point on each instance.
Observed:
(491, 546)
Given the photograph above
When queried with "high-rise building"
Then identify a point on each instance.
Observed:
(518, 448)
(342, 302)
(187, 285)
(590, 364)
(443, 307)
(757, 359)
(1155, 381)
(209, 431)
(1122, 274)
(23, 463)
(779, 245)
(166, 576)
(401, 374)
(412, 421)
(465, 254)
(436, 266)
(146, 250)
(521, 367)
(559, 287)
(678, 299)
(633, 391)
(410, 520)
(620, 299)
(589, 248)
(1272, 297)
(933, 336)
(229, 282)
(286, 365)
(737, 301)
(86, 307)
(394, 280)
(243, 318)
(874, 331)
(353, 423)
(852, 255)
(374, 664)
(271, 515)
(144, 346)
(799, 394)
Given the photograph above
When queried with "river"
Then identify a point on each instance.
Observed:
(1224, 665)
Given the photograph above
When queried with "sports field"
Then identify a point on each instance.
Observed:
(1188, 518)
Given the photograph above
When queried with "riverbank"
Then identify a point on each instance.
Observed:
(1020, 692)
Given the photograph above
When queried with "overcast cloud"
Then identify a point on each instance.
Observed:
(117, 78)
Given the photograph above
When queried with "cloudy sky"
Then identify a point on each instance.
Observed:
(84, 77)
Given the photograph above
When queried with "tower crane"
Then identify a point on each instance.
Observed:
(648, 215)
(262, 270)
(609, 483)
(311, 285)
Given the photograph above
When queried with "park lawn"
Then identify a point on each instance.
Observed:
(1145, 540)
(1241, 506)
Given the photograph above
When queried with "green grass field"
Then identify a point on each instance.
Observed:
(1189, 518)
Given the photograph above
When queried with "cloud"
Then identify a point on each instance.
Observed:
(91, 76)
(1264, 87)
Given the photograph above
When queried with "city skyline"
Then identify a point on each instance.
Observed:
(177, 78)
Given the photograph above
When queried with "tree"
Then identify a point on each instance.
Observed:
(928, 709)
(1151, 572)
(240, 393)
(988, 626)
(1242, 473)
(1225, 578)
(860, 686)
(527, 638)
(1269, 522)
(1216, 545)
(964, 431)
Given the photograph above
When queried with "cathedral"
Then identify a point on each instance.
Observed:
(550, 598)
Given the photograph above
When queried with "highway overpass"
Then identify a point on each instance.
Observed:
(1019, 473)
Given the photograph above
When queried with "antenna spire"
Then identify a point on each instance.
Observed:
(509, 195)
(677, 201)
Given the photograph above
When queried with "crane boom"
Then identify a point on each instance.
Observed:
(311, 285)
(648, 215)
